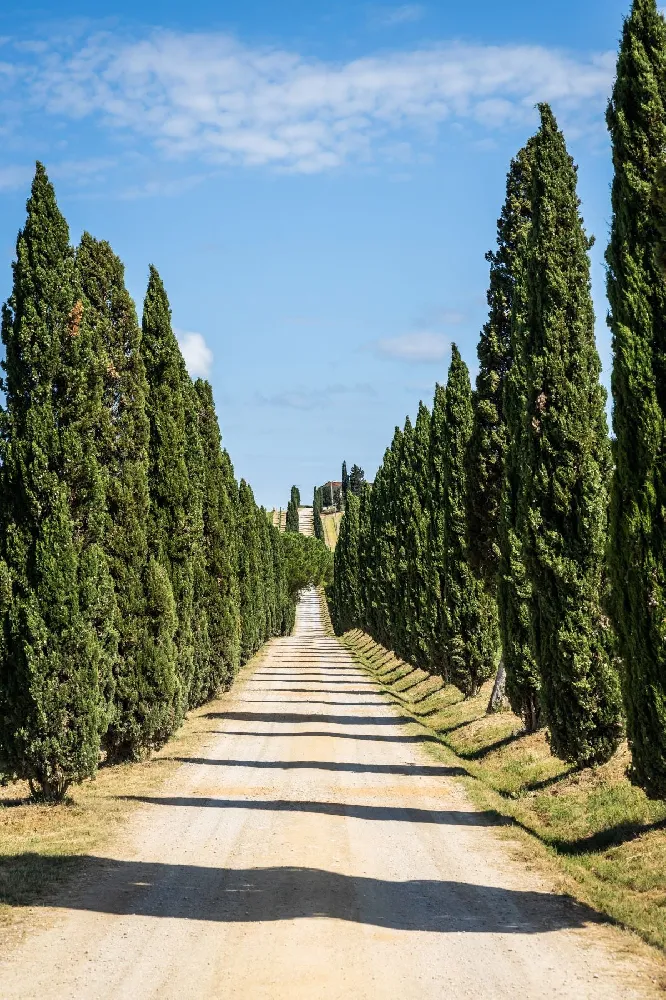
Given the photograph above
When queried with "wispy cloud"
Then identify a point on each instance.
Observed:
(196, 352)
(13, 177)
(419, 346)
(311, 399)
(404, 14)
(210, 97)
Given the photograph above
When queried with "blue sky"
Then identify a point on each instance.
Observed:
(317, 184)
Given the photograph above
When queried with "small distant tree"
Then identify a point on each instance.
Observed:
(316, 513)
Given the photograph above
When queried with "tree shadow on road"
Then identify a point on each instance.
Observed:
(296, 717)
(406, 770)
(190, 892)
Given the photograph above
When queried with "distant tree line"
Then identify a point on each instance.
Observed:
(136, 574)
(504, 522)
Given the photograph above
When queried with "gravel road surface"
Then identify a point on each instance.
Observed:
(314, 851)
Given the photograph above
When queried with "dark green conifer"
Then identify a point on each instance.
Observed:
(221, 595)
(293, 521)
(637, 295)
(346, 597)
(514, 589)
(58, 642)
(436, 617)
(252, 607)
(469, 640)
(317, 505)
(568, 465)
(145, 682)
(345, 484)
(168, 480)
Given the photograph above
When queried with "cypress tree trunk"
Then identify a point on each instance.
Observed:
(145, 679)
(567, 460)
(55, 671)
(637, 294)
(514, 589)
(469, 620)
(168, 480)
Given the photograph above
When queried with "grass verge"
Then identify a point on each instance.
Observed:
(605, 837)
(39, 845)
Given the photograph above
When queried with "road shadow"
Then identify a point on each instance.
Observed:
(334, 736)
(296, 717)
(392, 814)
(313, 701)
(403, 770)
(252, 895)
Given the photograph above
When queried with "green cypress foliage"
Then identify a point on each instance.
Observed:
(345, 484)
(196, 471)
(637, 294)
(293, 522)
(145, 681)
(347, 612)
(56, 665)
(514, 590)
(250, 570)
(436, 619)
(221, 598)
(317, 504)
(414, 535)
(567, 462)
(468, 623)
(168, 479)
(356, 479)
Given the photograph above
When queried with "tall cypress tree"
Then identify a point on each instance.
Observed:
(168, 479)
(252, 606)
(514, 589)
(317, 504)
(568, 465)
(346, 596)
(436, 610)
(469, 626)
(56, 665)
(293, 520)
(221, 596)
(414, 542)
(345, 484)
(145, 680)
(196, 472)
(637, 294)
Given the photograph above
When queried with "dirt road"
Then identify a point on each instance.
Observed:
(313, 851)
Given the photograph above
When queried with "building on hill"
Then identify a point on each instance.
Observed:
(331, 492)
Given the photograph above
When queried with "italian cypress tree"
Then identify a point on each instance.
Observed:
(637, 294)
(199, 687)
(346, 596)
(221, 596)
(514, 589)
(469, 621)
(414, 537)
(252, 607)
(270, 624)
(364, 553)
(567, 462)
(293, 521)
(55, 669)
(145, 679)
(345, 484)
(356, 479)
(436, 566)
(317, 505)
(169, 529)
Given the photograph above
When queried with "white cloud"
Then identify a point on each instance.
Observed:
(420, 345)
(313, 399)
(405, 13)
(196, 352)
(210, 97)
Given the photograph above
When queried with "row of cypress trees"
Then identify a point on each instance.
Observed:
(561, 528)
(135, 573)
